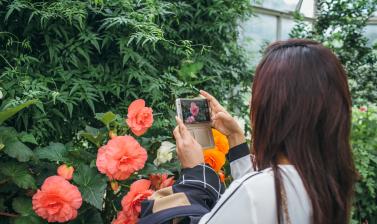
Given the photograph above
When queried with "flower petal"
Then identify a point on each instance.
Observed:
(140, 185)
(135, 106)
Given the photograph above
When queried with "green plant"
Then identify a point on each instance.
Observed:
(339, 25)
(81, 59)
(364, 144)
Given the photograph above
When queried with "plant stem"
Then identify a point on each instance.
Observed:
(8, 214)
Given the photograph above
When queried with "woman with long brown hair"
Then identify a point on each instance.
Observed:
(300, 169)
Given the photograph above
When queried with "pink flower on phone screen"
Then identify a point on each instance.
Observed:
(194, 109)
(190, 120)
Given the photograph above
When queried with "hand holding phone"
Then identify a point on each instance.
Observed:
(195, 114)
(189, 151)
(223, 121)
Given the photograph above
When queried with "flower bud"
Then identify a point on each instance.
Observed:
(112, 134)
(114, 186)
(222, 176)
(66, 171)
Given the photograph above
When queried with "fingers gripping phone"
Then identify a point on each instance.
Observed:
(195, 114)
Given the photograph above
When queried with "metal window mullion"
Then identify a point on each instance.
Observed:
(298, 6)
(278, 28)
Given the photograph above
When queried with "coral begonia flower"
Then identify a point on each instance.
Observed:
(57, 200)
(122, 218)
(139, 117)
(131, 203)
(221, 176)
(159, 181)
(214, 158)
(221, 141)
(65, 171)
(121, 157)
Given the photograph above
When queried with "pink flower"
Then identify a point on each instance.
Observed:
(121, 157)
(160, 181)
(66, 171)
(194, 109)
(363, 109)
(139, 117)
(131, 203)
(122, 218)
(190, 120)
(57, 200)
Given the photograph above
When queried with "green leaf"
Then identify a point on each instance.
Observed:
(152, 169)
(55, 152)
(18, 173)
(89, 216)
(12, 146)
(28, 220)
(106, 118)
(91, 185)
(7, 113)
(24, 207)
(93, 135)
(189, 69)
(18, 150)
(26, 137)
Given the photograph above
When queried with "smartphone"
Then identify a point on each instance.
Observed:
(195, 114)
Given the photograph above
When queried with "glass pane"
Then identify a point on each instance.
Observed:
(281, 5)
(286, 27)
(307, 8)
(371, 34)
(255, 33)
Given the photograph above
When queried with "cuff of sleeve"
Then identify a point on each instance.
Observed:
(204, 176)
(237, 152)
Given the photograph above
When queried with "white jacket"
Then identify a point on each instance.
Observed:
(251, 197)
(199, 197)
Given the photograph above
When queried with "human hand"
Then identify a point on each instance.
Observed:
(223, 121)
(189, 151)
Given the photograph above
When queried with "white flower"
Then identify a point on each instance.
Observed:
(164, 153)
(1, 95)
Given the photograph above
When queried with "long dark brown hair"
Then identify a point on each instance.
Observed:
(301, 109)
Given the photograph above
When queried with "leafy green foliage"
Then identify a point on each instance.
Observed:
(18, 174)
(55, 152)
(23, 207)
(364, 143)
(89, 216)
(340, 26)
(91, 185)
(9, 112)
(78, 60)
(13, 146)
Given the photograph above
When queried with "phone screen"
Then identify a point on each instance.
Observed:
(195, 111)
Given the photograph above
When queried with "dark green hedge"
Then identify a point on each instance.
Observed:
(82, 57)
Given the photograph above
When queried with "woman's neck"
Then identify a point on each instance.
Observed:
(283, 160)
